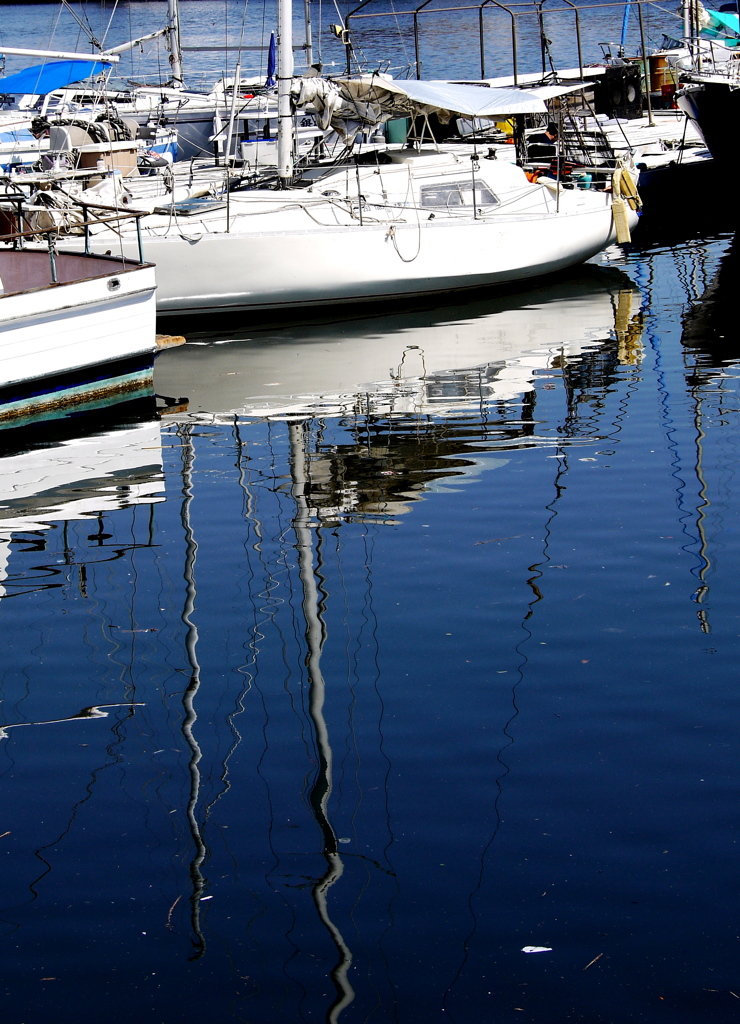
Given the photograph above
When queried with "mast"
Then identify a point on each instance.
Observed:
(173, 42)
(309, 34)
(688, 33)
(284, 81)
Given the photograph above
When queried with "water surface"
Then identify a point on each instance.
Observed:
(394, 646)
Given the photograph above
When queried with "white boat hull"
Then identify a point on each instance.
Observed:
(67, 326)
(278, 270)
(417, 223)
(97, 322)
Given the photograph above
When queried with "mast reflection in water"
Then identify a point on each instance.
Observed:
(394, 684)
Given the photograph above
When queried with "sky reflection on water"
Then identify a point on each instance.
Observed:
(415, 636)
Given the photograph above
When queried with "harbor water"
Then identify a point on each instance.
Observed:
(397, 645)
(383, 666)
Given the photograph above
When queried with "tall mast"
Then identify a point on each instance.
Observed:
(173, 42)
(284, 81)
(686, 13)
(309, 38)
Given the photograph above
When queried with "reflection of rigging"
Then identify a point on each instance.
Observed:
(95, 711)
(709, 335)
(705, 564)
(188, 698)
(322, 787)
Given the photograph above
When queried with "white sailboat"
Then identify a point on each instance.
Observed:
(413, 221)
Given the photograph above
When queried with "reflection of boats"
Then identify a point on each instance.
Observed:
(418, 386)
(73, 327)
(428, 361)
(80, 478)
(710, 349)
(709, 327)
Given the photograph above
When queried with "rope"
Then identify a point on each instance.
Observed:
(110, 22)
(392, 229)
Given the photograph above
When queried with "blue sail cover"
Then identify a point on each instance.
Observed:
(44, 78)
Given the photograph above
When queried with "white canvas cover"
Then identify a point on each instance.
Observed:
(351, 104)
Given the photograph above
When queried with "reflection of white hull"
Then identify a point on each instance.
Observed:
(80, 478)
(436, 361)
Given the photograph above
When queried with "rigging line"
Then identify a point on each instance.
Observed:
(241, 35)
(354, 680)
(269, 612)
(354, 674)
(665, 10)
(321, 30)
(132, 618)
(110, 22)
(87, 28)
(262, 39)
(688, 515)
(401, 34)
(368, 540)
(54, 27)
(669, 431)
(114, 758)
(239, 706)
(348, 660)
(703, 589)
(131, 36)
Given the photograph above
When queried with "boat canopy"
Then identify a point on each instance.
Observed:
(551, 92)
(351, 104)
(44, 78)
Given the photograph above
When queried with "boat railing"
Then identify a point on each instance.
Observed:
(515, 10)
(19, 207)
(711, 57)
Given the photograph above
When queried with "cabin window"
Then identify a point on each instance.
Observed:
(456, 194)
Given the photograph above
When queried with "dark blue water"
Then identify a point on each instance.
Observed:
(405, 658)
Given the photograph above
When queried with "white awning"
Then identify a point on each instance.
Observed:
(350, 104)
(470, 100)
(551, 92)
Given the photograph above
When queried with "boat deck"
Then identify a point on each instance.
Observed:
(26, 270)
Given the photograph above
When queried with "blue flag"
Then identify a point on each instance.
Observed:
(271, 62)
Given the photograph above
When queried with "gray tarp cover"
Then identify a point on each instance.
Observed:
(348, 105)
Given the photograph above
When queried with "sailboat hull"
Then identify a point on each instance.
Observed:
(278, 270)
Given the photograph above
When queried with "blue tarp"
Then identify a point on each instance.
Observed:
(44, 78)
